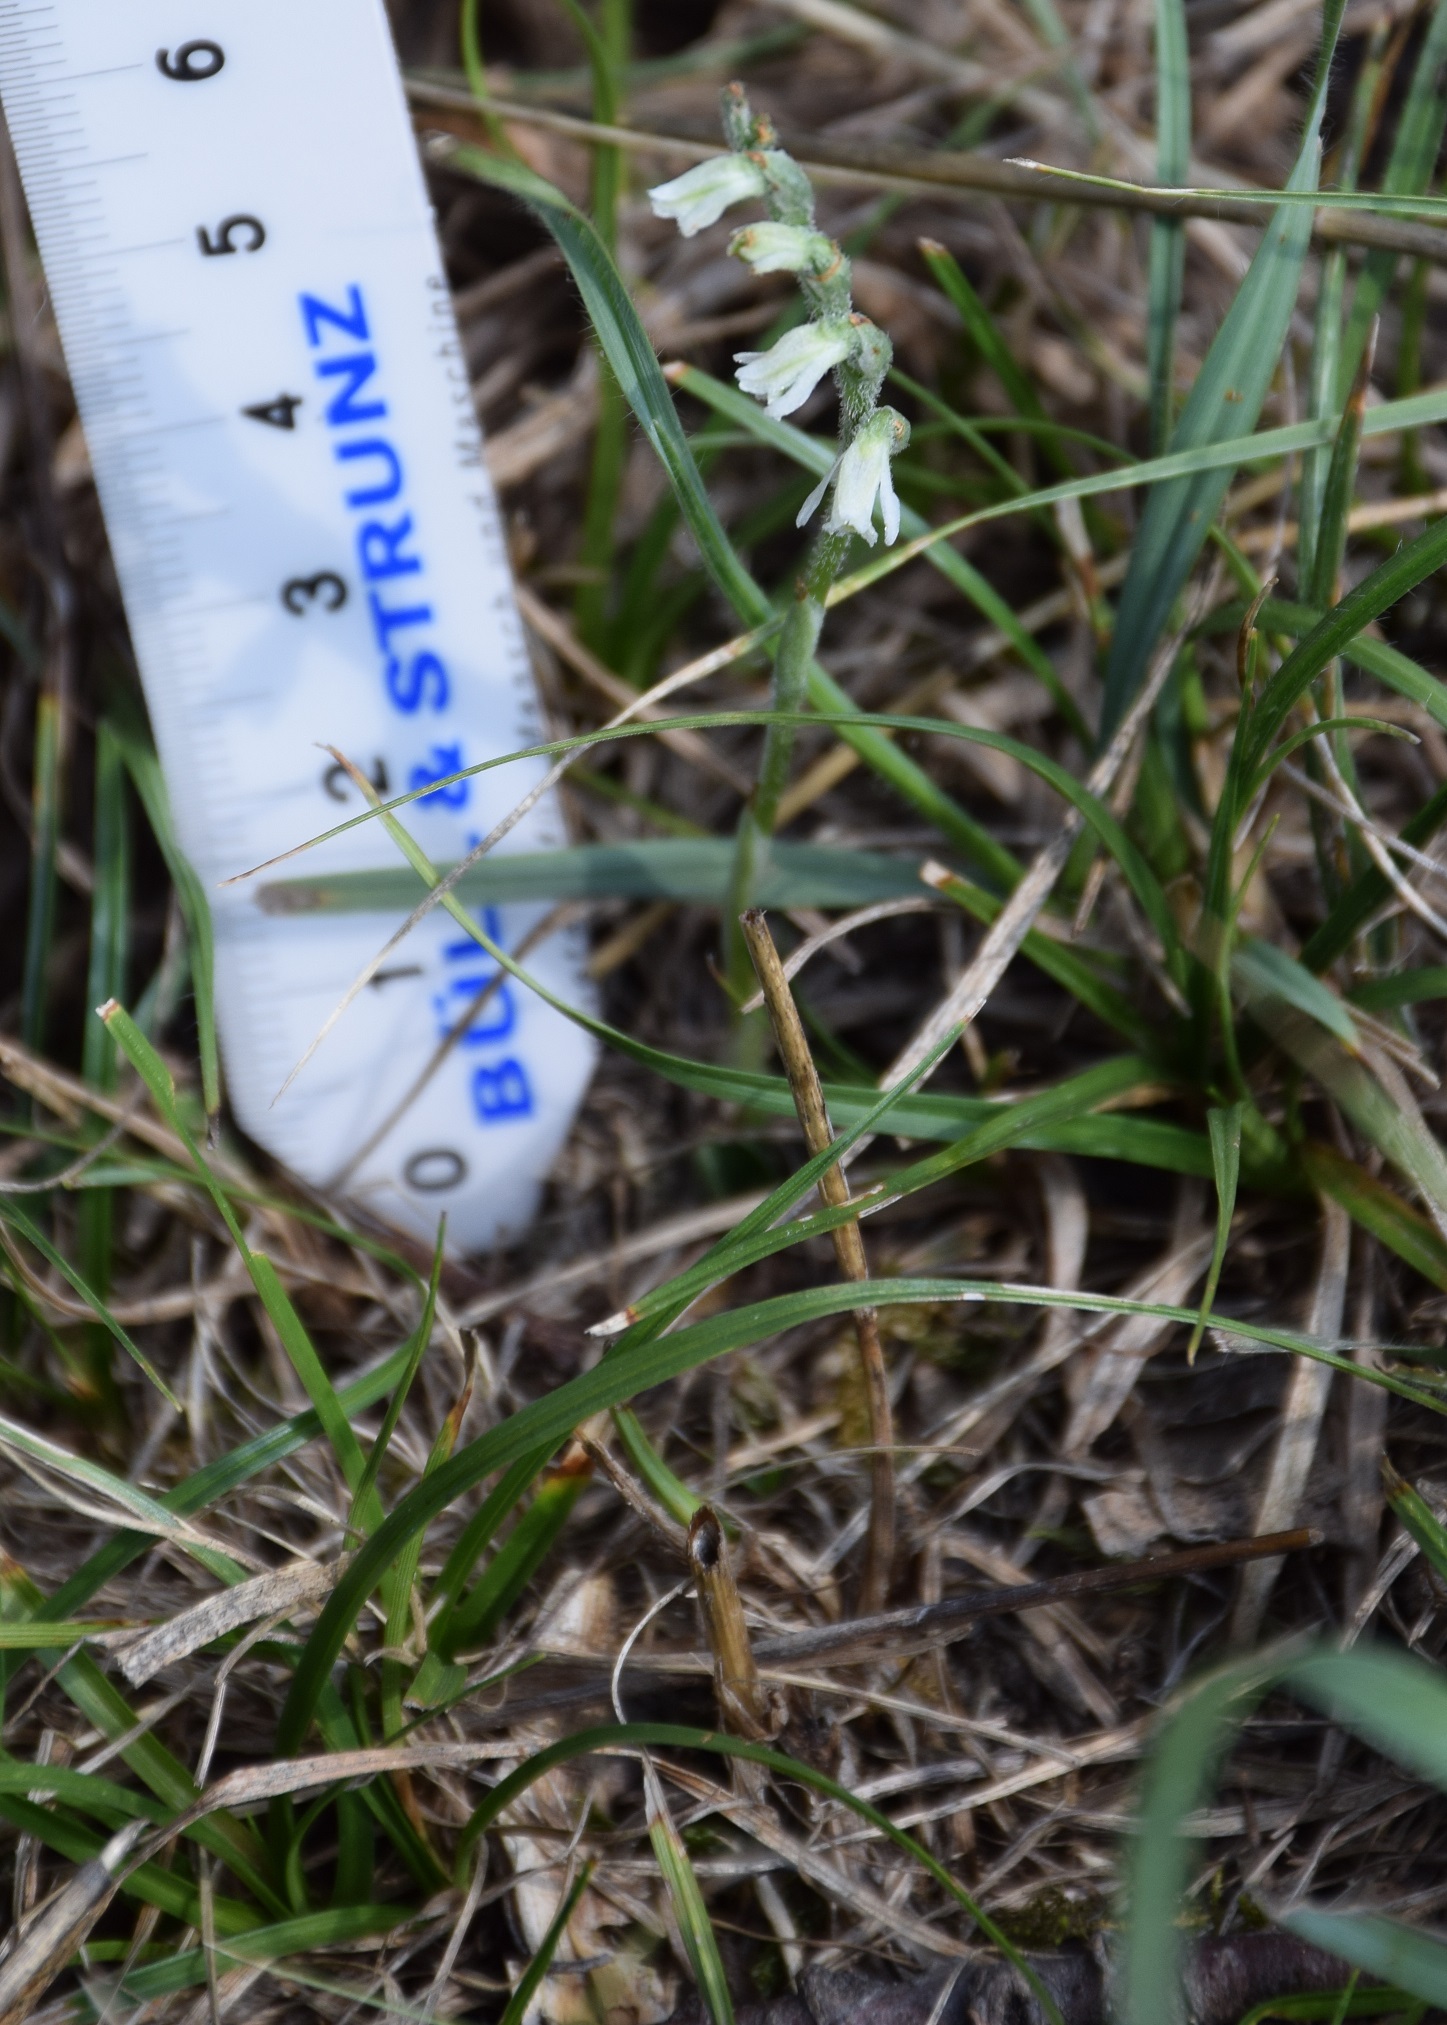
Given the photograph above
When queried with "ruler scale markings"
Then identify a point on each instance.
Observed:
(309, 551)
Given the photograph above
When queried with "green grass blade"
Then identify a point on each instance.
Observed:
(1410, 169)
(145, 771)
(1400, 1956)
(1229, 391)
(679, 868)
(695, 1928)
(45, 795)
(1167, 259)
(19, 1221)
(1407, 987)
(475, 1618)
(635, 365)
(1335, 635)
(1224, 1127)
(1418, 1517)
(1326, 350)
(531, 1980)
(414, 1350)
(634, 1367)
(274, 1297)
(632, 1737)
(980, 327)
(105, 978)
(1369, 1202)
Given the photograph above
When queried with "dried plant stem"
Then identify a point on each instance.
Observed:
(743, 1704)
(929, 172)
(848, 1245)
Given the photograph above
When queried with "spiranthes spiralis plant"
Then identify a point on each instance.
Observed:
(835, 340)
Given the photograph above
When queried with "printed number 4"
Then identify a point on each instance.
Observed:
(444, 760)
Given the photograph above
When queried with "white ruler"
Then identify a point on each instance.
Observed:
(246, 276)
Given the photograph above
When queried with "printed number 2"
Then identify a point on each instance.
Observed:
(192, 63)
(223, 240)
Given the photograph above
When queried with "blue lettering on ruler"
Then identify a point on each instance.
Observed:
(393, 567)
(500, 1090)
(389, 549)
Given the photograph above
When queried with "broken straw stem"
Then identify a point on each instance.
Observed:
(848, 1245)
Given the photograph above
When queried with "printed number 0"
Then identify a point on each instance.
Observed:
(326, 587)
(223, 240)
(193, 62)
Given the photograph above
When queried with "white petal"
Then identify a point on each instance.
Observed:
(889, 502)
(811, 505)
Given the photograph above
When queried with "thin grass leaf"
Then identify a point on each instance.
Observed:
(1336, 634)
(274, 1297)
(633, 1367)
(1229, 390)
(1224, 1127)
(413, 1352)
(143, 1510)
(531, 1980)
(1405, 987)
(1418, 1517)
(105, 978)
(216, 1481)
(16, 1218)
(675, 868)
(151, 1883)
(632, 358)
(1369, 1202)
(981, 329)
(1167, 257)
(272, 1944)
(1400, 1956)
(631, 1737)
(1410, 169)
(45, 796)
(1260, 972)
(104, 1706)
(1394, 1701)
(1326, 350)
(145, 771)
(695, 1928)
(475, 1618)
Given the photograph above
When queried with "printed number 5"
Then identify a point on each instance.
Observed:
(192, 63)
(223, 239)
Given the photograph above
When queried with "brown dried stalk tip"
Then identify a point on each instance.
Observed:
(743, 1704)
(53, 1936)
(813, 1117)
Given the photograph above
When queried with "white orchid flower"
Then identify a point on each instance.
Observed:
(786, 375)
(701, 195)
(783, 249)
(860, 476)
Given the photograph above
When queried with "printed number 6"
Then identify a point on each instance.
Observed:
(192, 63)
(326, 587)
(223, 241)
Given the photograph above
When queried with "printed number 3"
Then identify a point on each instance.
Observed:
(326, 588)
(192, 63)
